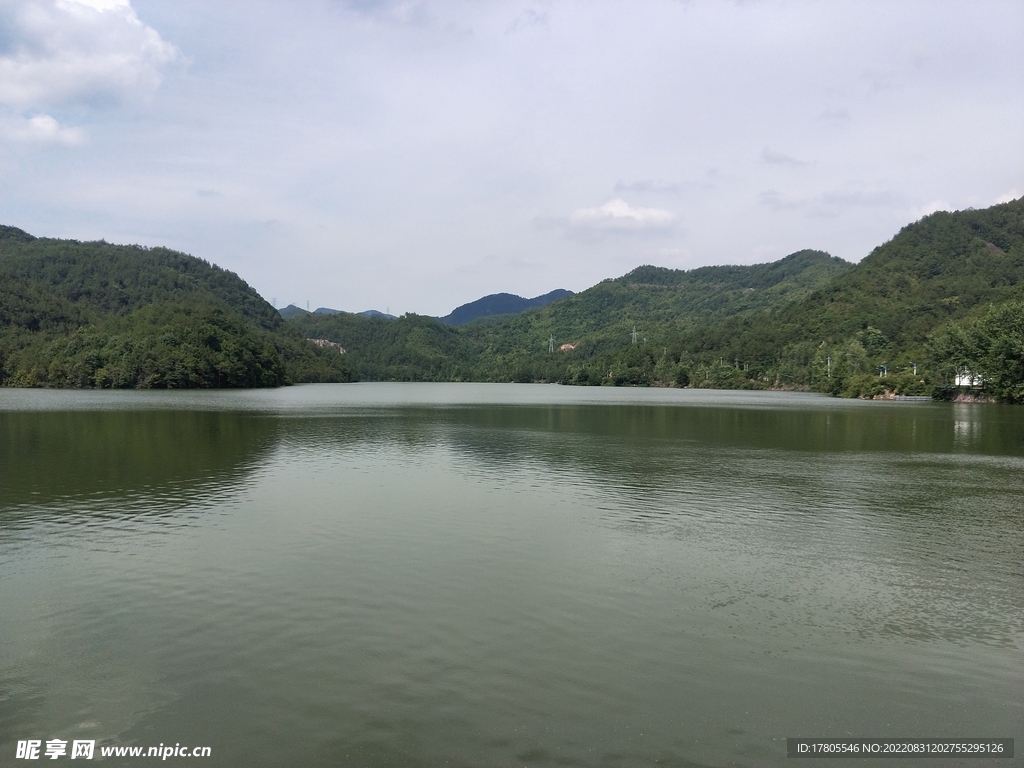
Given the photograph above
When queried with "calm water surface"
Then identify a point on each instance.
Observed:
(418, 574)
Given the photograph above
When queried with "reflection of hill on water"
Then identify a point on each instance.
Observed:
(872, 428)
(631, 443)
(149, 461)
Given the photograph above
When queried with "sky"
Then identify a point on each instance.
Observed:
(415, 156)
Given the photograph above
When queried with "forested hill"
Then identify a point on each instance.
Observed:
(935, 280)
(943, 299)
(596, 322)
(936, 270)
(119, 279)
(941, 302)
(655, 296)
(92, 314)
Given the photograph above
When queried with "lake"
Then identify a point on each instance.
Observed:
(499, 575)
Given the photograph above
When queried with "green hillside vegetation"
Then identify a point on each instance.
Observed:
(948, 267)
(408, 348)
(92, 314)
(943, 299)
(599, 321)
(884, 327)
(662, 304)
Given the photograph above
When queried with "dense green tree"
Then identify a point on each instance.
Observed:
(988, 348)
(98, 315)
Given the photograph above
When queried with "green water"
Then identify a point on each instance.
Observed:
(477, 575)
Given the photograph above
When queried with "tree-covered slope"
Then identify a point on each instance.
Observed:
(118, 279)
(591, 332)
(660, 301)
(935, 270)
(917, 310)
(408, 348)
(92, 314)
(879, 317)
(597, 321)
(940, 302)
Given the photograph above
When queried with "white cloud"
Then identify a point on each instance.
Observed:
(618, 215)
(72, 52)
(43, 129)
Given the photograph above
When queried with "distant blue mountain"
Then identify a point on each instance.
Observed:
(500, 304)
(326, 311)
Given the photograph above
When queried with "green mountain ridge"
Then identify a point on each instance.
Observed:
(807, 321)
(931, 272)
(596, 321)
(938, 305)
(92, 314)
(945, 269)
